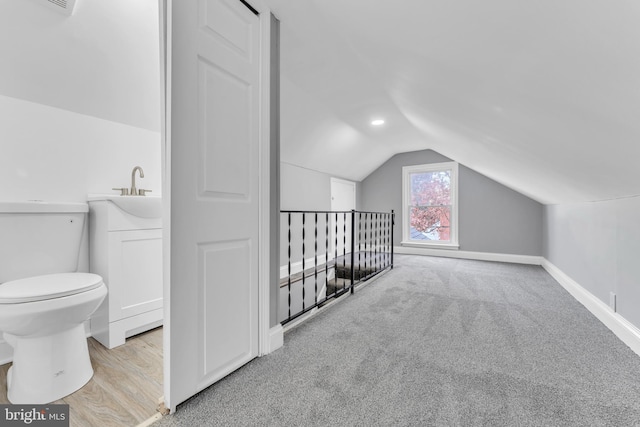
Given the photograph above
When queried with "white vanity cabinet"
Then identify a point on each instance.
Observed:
(126, 250)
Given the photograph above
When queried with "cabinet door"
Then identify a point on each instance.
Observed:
(135, 272)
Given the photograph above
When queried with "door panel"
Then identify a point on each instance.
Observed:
(215, 192)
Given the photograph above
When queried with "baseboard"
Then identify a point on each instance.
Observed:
(276, 338)
(308, 315)
(628, 333)
(296, 267)
(479, 256)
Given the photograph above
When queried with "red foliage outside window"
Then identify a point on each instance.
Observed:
(431, 204)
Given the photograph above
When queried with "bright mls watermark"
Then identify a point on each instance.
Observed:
(34, 415)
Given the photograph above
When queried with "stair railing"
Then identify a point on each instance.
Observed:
(349, 247)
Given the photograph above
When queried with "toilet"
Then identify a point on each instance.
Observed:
(44, 302)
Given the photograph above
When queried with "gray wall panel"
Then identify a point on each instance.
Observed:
(493, 218)
(598, 245)
(274, 183)
(497, 219)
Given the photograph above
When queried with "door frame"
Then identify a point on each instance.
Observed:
(269, 339)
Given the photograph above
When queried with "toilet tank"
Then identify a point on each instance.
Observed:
(39, 238)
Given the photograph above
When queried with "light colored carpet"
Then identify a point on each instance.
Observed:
(437, 341)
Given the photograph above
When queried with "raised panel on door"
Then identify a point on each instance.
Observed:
(225, 136)
(226, 315)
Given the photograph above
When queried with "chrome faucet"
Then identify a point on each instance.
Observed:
(133, 190)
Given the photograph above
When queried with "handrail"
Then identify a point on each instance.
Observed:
(325, 212)
(357, 246)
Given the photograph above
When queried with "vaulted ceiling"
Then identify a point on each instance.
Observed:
(542, 96)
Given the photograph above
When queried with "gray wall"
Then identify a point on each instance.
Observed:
(274, 183)
(598, 245)
(492, 217)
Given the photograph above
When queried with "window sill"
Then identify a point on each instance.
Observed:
(446, 246)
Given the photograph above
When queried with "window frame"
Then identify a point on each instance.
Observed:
(452, 243)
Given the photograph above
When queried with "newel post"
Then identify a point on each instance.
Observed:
(393, 223)
(353, 238)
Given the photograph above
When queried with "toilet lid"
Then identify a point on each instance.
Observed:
(49, 286)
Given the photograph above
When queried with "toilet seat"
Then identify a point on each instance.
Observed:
(46, 287)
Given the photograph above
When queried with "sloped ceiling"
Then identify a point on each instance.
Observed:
(104, 61)
(542, 96)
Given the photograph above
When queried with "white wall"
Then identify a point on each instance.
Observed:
(598, 246)
(307, 189)
(79, 98)
(103, 61)
(54, 154)
(304, 189)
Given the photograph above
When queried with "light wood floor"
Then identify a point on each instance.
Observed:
(125, 387)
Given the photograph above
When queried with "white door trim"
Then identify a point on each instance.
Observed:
(164, 8)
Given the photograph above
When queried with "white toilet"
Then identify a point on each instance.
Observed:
(43, 301)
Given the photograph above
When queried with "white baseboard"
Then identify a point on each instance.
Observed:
(628, 333)
(480, 256)
(296, 267)
(276, 338)
(308, 315)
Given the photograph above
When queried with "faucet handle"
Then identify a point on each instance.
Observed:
(123, 191)
(143, 191)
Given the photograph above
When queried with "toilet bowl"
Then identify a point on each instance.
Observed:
(44, 302)
(43, 318)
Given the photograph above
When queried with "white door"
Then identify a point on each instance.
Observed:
(343, 198)
(215, 128)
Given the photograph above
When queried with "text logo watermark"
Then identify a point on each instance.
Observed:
(34, 415)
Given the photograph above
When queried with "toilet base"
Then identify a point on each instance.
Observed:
(48, 368)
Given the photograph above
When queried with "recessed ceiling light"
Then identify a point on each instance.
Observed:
(377, 122)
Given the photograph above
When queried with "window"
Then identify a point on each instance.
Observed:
(430, 205)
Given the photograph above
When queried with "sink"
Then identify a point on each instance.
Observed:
(140, 206)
